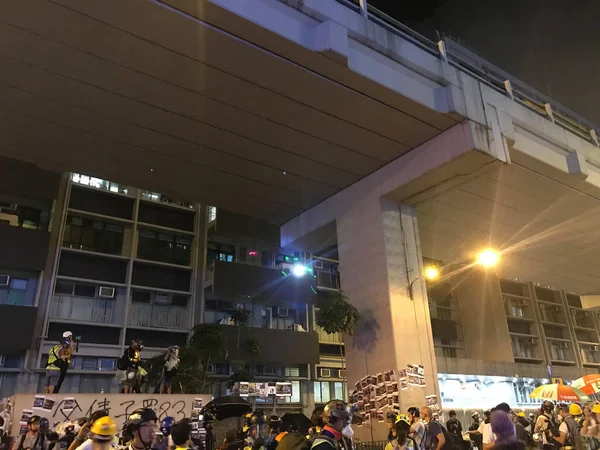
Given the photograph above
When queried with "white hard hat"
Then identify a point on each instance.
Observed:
(68, 334)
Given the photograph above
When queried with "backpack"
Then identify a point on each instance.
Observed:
(453, 442)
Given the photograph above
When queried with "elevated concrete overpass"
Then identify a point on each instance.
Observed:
(265, 110)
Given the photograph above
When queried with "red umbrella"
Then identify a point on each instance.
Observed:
(589, 384)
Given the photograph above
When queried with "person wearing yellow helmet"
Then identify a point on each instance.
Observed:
(401, 433)
(102, 433)
(575, 410)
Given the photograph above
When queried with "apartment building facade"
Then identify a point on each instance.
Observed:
(498, 338)
(129, 263)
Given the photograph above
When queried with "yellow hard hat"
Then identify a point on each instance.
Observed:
(103, 428)
(596, 408)
(521, 414)
(575, 409)
(402, 418)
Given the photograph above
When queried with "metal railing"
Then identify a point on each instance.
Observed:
(97, 310)
(158, 316)
(469, 62)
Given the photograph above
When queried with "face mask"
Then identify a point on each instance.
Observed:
(347, 431)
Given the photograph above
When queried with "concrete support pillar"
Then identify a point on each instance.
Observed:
(380, 256)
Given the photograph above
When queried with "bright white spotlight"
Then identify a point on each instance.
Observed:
(298, 270)
(488, 257)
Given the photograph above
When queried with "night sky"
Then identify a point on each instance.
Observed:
(552, 45)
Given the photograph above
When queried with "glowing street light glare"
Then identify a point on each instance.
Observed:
(298, 270)
(488, 257)
(431, 273)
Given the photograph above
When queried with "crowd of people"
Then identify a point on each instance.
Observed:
(144, 431)
(554, 427)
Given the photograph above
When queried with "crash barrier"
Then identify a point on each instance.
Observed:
(65, 407)
(370, 445)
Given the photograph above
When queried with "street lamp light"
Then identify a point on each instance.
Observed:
(488, 257)
(298, 270)
(431, 273)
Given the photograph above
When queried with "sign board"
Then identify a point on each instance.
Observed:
(278, 389)
(64, 407)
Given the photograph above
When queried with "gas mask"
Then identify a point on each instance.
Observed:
(348, 431)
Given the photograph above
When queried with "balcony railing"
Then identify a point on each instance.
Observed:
(467, 61)
(97, 310)
(161, 198)
(589, 355)
(158, 316)
(98, 183)
(443, 312)
(583, 320)
(334, 338)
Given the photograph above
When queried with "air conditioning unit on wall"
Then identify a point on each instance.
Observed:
(106, 292)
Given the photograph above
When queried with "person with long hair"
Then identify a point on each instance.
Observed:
(503, 428)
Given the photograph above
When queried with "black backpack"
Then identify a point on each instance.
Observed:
(453, 442)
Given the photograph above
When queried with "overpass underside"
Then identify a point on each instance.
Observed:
(192, 100)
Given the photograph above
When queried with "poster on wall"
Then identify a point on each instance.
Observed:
(283, 389)
(38, 402)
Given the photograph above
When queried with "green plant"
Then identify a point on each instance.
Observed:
(241, 316)
(236, 377)
(252, 347)
(210, 343)
(336, 314)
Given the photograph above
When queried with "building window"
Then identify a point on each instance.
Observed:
(291, 371)
(242, 254)
(98, 183)
(89, 364)
(295, 397)
(164, 247)
(93, 235)
(220, 252)
(107, 364)
(266, 259)
(339, 391)
(16, 293)
(322, 393)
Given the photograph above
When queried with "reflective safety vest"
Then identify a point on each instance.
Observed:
(53, 357)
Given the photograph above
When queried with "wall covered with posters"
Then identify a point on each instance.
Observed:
(65, 407)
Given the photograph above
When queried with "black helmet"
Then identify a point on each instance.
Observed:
(336, 409)
(547, 407)
(208, 418)
(140, 416)
(317, 416)
(414, 411)
(274, 421)
(257, 418)
(33, 419)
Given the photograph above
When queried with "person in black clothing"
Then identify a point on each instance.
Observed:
(474, 433)
(453, 425)
(336, 435)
